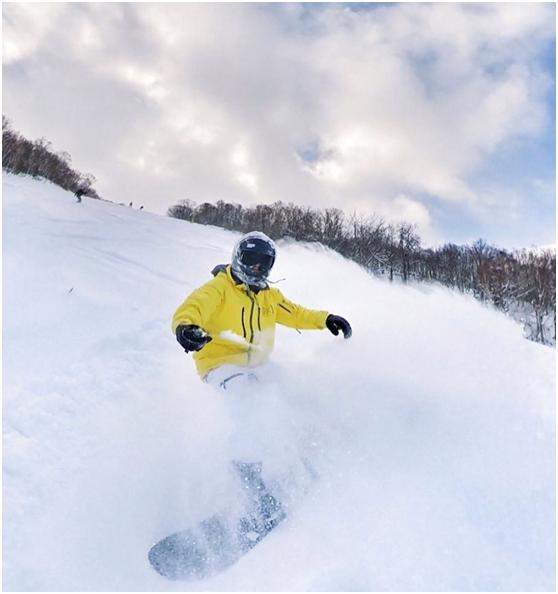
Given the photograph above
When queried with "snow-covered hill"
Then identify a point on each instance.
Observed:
(431, 431)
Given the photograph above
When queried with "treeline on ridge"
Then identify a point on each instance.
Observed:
(38, 159)
(520, 283)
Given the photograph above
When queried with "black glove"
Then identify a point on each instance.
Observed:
(336, 323)
(191, 338)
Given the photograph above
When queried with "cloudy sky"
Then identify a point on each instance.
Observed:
(438, 114)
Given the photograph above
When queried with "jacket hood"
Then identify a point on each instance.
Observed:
(219, 268)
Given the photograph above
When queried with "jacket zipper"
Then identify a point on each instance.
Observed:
(285, 308)
(243, 326)
(251, 317)
(249, 351)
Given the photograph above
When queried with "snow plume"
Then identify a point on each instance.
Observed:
(418, 455)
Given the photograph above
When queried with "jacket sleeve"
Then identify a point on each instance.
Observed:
(199, 306)
(295, 316)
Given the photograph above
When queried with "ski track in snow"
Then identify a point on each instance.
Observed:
(430, 432)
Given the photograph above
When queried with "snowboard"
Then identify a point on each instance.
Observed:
(219, 541)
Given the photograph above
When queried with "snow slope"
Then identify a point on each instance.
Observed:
(431, 431)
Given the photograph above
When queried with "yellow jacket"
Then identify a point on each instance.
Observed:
(241, 322)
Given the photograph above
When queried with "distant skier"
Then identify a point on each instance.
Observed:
(229, 322)
(79, 193)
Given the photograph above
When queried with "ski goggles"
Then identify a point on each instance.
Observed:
(251, 259)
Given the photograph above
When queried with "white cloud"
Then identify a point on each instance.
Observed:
(412, 211)
(219, 100)
(24, 27)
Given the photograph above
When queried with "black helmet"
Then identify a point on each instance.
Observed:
(253, 257)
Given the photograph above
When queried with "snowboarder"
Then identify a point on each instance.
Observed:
(79, 193)
(229, 322)
(229, 325)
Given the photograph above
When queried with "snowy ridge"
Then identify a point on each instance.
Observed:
(431, 431)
